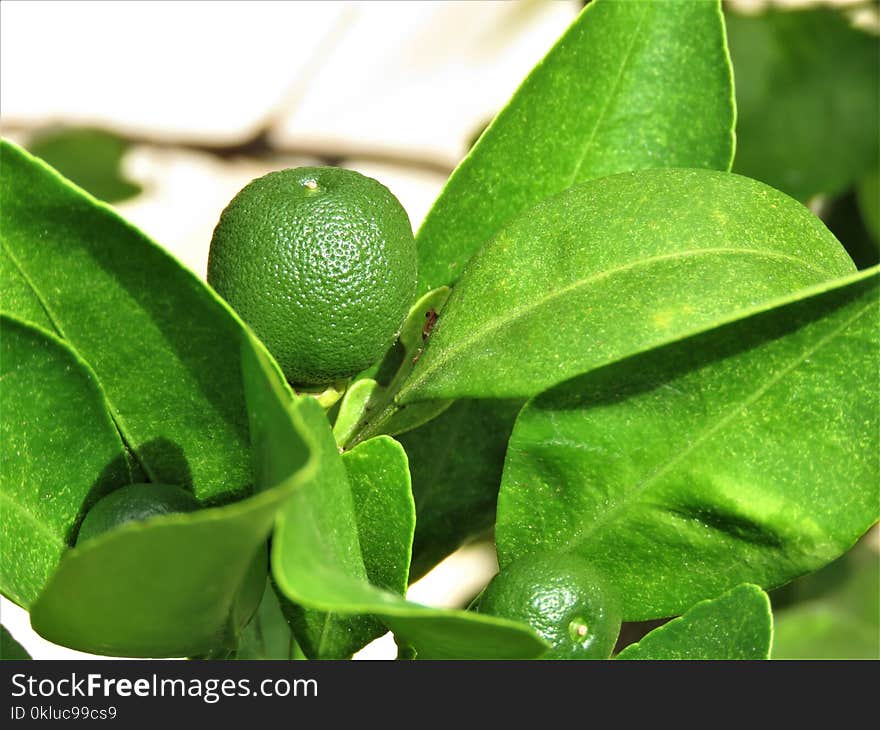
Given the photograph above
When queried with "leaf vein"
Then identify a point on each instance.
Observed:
(113, 412)
(34, 290)
(522, 311)
(615, 88)
(31, 517)
(723, 421)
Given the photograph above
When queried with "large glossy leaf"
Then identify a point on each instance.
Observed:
(613, 267)
(380, 500)
(163, 347)
(842, 619)
(630, 85)
(807, 99)
(737, 625)
(317, 559)
(17, 295)
(456, 463)
(745, 454)
(166, 587)
(182, 584)
(59, 449)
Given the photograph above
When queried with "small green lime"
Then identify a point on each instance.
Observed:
(321, 263)
(561, 597)
(134, 502)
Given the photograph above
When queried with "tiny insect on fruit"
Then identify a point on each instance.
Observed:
(430, 320)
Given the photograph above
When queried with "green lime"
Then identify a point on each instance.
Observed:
(561, 597)
(321, 263)
(134, 502)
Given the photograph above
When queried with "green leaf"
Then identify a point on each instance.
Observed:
(181, 584)
(352, 408)
(456, 463)
(167, 587)
(376, 476)
(745, 454)
(9, 648)
(268, 635)
(60, 453)
(614, 267)
(163, 347)
(630, 85)
(842, 621)
(806, 92)
(17, 295)
(737, 625)
(368, 408)
(318, 562)
(91, 158)
(413, 334)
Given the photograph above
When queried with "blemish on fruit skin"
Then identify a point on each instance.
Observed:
(310, 184)
(578, 630)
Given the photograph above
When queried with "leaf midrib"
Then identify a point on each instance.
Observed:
(31, 517)
(524, 310)
(612, 94)
(34, 290)
(633, 495)
(124, 436)
(325, 633)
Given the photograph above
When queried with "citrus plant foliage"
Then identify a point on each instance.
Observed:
(655, 378)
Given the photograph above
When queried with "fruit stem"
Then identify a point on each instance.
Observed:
(377, 412)
(382, 405)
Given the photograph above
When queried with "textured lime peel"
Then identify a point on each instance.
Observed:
(321, 263)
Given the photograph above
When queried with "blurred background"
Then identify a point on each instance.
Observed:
(166, 110)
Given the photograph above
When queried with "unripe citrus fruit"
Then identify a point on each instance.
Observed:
(134, 502)
(562, 599)
(321, 263)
